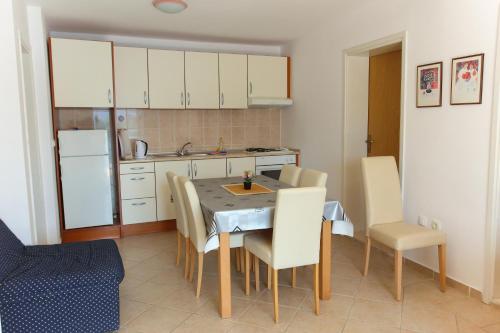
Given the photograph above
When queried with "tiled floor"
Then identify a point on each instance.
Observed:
(156, 298)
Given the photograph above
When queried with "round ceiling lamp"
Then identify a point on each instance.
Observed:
(170, 6)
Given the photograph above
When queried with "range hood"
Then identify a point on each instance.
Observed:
(265, 102)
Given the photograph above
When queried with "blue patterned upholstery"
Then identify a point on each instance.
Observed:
(59, 288)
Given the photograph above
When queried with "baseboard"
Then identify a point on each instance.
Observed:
(147, 228)
(92, 233)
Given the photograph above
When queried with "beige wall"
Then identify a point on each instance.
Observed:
(446, 148)
(167, 130)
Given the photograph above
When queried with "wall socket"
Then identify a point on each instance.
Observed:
(423, 221)
(435, 224)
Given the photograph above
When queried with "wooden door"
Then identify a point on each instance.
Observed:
(267, 76)
(384, 105)
(166, 79)
(131, 77)
(233, 81)
(82, 73)
(202, 80)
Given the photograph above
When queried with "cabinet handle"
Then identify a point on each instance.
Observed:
(230, 168)
(109, 95)
(251, 88)
(145, 98)
(171, 198)
(182, 98)
(188, 99)
(137, 168)
(195, 169)
(138, 204)
(222, 99)
(137, 178)
(189, 170)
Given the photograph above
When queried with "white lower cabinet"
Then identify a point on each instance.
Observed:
(138, 185)
(138, 210)
(210, 168)
(236, 166)
(164, 200)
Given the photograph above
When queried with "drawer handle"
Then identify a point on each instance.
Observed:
(137, 168)
(138, 204)
(137, 178)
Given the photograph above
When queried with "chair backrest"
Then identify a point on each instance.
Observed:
(196, 222)
(297, 226)
(290, 174)
(312, 178)
(382, 190)
(11, 249)
(181, 219)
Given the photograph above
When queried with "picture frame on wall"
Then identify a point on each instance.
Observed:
(430, 85)
(467, 80)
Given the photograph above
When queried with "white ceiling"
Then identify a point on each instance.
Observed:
(247, 21)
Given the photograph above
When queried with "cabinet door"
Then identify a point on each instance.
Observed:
(131, 77)
(236, 166)
(82, 73)
(165, 208)
(138, 210)
(233, 81)
(202, 80)
(267, 76)
(212, 168)
(166, 79)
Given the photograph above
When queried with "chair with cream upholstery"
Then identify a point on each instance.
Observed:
(312, 178)
(290, 174)
(197, 229)
(384, 218)
(292, 243)
(181, 220)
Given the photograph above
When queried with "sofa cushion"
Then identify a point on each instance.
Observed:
(9, 241)
(11, 249)
(55, 268)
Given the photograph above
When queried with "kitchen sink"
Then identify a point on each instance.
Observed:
(196, 154)
(164, 155)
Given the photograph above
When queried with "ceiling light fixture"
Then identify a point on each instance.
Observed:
(170, 6)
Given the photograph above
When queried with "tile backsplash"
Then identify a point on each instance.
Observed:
(167, 130)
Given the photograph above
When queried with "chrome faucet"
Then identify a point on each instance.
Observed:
(183, 150)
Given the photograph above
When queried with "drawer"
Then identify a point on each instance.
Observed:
(138, 210)
(139, 185)
(126, 168)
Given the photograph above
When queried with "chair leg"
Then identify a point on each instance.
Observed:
(238, 262)
(179, 248)
(275, 296)
(200, 273)
(442, 267)
(256, 272)
(294, 277)
(188, 252)
(398, 270)
(367, 255)
(247, 272)
(316, 289)
(269, 276)
(191, 269)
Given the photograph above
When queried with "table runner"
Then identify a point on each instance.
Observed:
(225, 212)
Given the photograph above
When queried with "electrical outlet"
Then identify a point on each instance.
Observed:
(435, 224)
(423, 221)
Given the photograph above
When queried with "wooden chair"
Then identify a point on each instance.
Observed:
(290, 174)
(294, 242)
(181, 220)
(384, 219)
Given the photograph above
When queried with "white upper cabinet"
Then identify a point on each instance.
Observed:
(233, 81)
(131, 77)
(267, 76)
(166, 79)
(202, 80)
(82, 73)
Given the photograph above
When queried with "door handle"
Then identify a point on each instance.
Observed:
(369, 141)
(109, 95)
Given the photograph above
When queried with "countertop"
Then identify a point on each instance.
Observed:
(230, 154)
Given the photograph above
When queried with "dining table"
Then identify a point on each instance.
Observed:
(225, 213)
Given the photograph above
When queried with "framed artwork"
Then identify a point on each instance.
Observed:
(429, 85)
(467, 80)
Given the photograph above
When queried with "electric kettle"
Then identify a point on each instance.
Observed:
(141, 149)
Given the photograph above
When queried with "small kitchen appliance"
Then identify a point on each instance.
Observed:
(141, 149)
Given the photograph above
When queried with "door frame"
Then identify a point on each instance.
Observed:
(364, 50)
(493, 193)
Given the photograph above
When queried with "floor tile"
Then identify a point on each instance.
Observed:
(262, 314)
(200, 324)
(338, 306)
(353, 326)
(376, 312)
(428, 319)
(157, 319)
(307, 321)
(130, 310)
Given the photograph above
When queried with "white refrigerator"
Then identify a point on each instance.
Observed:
(85, 177)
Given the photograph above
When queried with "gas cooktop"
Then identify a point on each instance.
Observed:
(262, 150)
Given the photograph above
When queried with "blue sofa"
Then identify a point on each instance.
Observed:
(59, 288)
